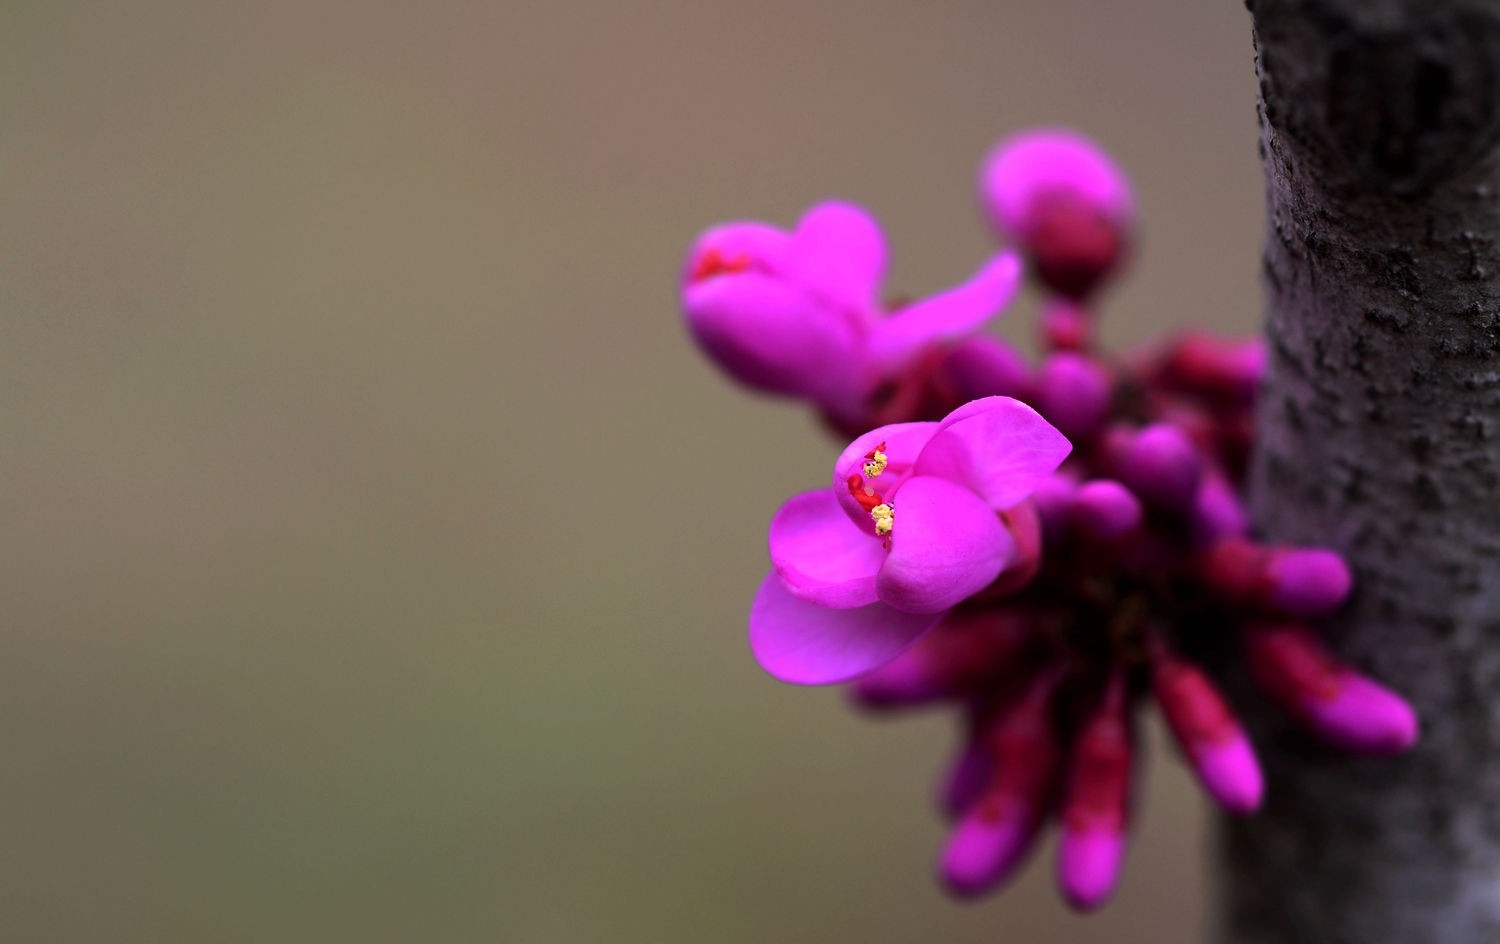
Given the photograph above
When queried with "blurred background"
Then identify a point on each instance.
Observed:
(375, 548)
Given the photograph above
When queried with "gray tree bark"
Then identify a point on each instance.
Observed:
(1379, 434)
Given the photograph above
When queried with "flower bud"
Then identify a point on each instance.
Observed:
(1073, 392)
(1307, 581)
(1162, 467)
(1106, 510)
(1065, 201)
(983, 366)
(1095, 803)
(994, 835)
(1207, 732)
(1336, 703)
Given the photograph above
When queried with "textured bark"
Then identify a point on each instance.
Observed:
(1380, 435)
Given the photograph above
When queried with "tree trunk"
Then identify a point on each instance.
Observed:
(1379, 434)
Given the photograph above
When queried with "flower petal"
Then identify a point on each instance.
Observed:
(998, 447)
(807, 644)
(946, 316)
(740, 246)
(947, 545)
(820, 556)
(839, 253)
(1035, 162)
(770, 334)
(903, 441)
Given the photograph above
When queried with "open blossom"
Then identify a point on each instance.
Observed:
(1047, 595)
(915, 523)
(799, 313)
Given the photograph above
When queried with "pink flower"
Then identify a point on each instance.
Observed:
(915, 524)
(1061, 197)
(799, 313)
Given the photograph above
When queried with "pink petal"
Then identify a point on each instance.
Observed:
(820, 556)
(1034, 162)
(745, 245)
(771, 335)
(1000, 448)
(806, 644)
(839, 253)
(903, 441)
(947, 316)
(947, 545)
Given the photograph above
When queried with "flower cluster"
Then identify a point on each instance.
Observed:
(1044, 548)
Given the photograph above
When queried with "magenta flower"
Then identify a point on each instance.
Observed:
(960, 561)
(916, 523)
(1064, 201)
(799, 313)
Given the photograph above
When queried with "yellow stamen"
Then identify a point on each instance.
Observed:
(885, 519)
(875, 465)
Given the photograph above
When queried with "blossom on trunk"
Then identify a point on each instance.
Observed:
(799, 314)
(919, 518)
(1048, 593)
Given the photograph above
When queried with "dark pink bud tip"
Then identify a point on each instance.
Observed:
(1307, 582)
(1162, 466)
(1088, 866)
(1106, 510)
(1073, 392)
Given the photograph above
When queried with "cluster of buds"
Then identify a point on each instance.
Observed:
(1043, 547)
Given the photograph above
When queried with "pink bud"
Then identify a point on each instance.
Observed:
(1307, 581)
(1062, 197)
(1066, 326)
(1208, 733)
(1235, 569)
(1106, 510)
(1218, 512)
(1338, 704)
(1209, 365)
(987, 367)
(966, 779)
(1053, 500)
(1162, 467)
(995, 833)
(1073, 392)
(1095, 804)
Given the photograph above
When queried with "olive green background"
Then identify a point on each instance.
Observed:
(374, 546)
